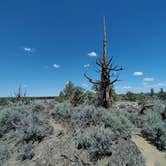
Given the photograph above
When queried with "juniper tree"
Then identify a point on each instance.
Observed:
(108, 77)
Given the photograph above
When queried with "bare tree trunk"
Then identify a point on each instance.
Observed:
(107, 70)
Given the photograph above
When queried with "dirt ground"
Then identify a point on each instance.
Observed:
(152, 156)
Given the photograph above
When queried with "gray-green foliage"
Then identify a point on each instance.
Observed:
(97, 140)
(4, 101)
(4, 154)
(25, 152)
(23, 126)
(126, 153)
(118, 123)
(78, 96)
(25, 123)
(154, 130)
(85, 116)
(62, 110)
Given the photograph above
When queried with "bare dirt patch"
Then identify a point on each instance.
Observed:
(152, 156)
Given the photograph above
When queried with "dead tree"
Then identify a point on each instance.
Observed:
(108, 77)
(20, 93)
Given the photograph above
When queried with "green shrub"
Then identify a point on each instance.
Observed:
(62, 110)
(126, 153)
(130, 96)
(4, 101)
(97, 141)
(25, 152)
(135, 118)
(24, 123)
(4, 154)
(33, 134)
(86, 116)
(9, 120)
(77, 97)
(118, 123)
(154, 130)
(38, 108)
(90, 98)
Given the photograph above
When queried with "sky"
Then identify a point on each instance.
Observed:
(46, 43)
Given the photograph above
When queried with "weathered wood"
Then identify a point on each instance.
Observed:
(106, 69)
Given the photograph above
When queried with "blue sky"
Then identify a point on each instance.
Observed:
(43, 44)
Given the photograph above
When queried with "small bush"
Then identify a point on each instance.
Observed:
(9, 120)
(4, 154)
(62, 111)
(97, 141)
(85, 116)
(25, 152)
(26, 124)
(4, 101)
(130, 96)
(78, 97)
(135, 118)
(154, 130)
(118, 123)
(33, 134)
(38, 108)
(126, 153)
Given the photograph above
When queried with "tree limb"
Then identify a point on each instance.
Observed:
(91, 80)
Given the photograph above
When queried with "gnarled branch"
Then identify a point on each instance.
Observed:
(91, 80)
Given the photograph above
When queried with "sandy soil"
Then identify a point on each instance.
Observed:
(152, 155)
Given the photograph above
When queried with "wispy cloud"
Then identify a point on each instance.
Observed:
(28, 49)
(127, 87)
(148, 79)
(25, 85)
(56, 66)
(92, 54)
(161, 84)
(85, 86)
(138, 73)
(87, 65)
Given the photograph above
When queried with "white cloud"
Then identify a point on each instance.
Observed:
(85, 86)
(138, 73)
(56, 66)
(161, 84)
(28, 49)
(92, 54)
(127, 87)
(87, 65)
(25, 85)
(148, 79)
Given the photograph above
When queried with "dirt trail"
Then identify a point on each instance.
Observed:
(152, 156)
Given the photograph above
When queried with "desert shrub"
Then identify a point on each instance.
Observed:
(33, 134)
(67, 92)
(134, 117)
(85, 116)
(4, 101)
(34, 127)
(97, 141)
(9, 120)
(4, 154)
(77, 97)
(38, 108)
(126, 153)
(24, 122)
(118, 123)
(130, 96)
(25, 152)
(162, 94)
(62, 110)
(154, 130)
(90, 98)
